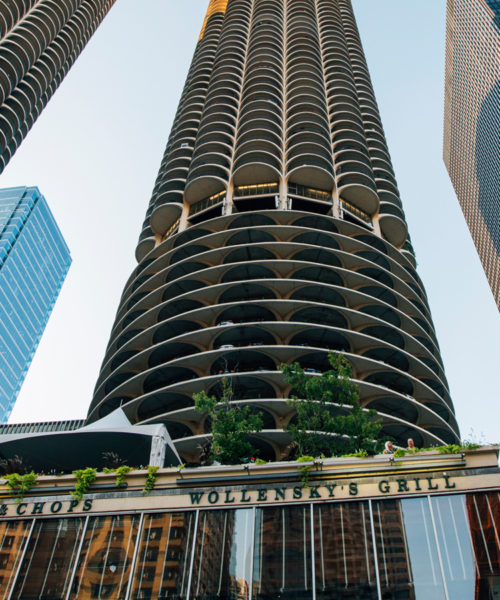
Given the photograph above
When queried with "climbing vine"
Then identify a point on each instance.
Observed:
(121, 473)
(151, 480)
(84, 479)
(305, 470)
(20, 485)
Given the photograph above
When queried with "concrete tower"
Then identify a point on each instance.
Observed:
(275, 233)
(39, 42)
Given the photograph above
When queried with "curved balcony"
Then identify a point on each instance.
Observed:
(145, 246)
(311, 171)
(257, 135)
(392, 224)
(253, 126)
(256, 167)
(313, 149)
(351, 155)
(296, 138)
(359, 189)
(205, 181)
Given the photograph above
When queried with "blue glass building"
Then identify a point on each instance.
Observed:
(34, 262)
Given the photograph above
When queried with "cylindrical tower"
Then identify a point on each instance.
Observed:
(275, 234)
(39, 42)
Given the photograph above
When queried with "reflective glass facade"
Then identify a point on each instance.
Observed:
(472, 123)
(422, 548)
(34, 262)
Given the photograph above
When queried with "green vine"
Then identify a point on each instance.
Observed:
(20, 485)
(305, 470)
(84, 479)
(151, 480)
(121, 473)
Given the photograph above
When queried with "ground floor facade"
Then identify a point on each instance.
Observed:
(424, 528)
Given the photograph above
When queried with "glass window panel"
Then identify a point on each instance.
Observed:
(223, 555)
(343, 547)
(484, 518)
(468, 532)
(282, 557)
(164, 556)
(406, 549)
(13, 536)
(50, 559)
(104, 565)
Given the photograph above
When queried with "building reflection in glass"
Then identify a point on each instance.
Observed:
(429, 548)
(468, 529)
(222, 558)
(282, 556)
(343, 544)
(49, 560)
(407, 553)
(104, 565)
(162, 569)
(13, 536)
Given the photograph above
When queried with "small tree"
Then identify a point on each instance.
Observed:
(231, 425)
(330, 419)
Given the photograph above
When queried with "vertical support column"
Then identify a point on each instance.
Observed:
(134, 558)
(252, 553)
(375, 555)
(195, 533)
(313, 555)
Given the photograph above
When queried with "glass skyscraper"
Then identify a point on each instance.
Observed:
(34, 262)
(275, 234)
(472, 123)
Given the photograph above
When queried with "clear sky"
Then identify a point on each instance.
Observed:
(96, 149)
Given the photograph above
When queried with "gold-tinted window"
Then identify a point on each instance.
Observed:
(343, 544)
(164, 558)
(105, 563)
(13, 535)
(50, 558)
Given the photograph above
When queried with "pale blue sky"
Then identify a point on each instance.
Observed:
(95, 151)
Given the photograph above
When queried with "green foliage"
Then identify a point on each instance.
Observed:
(450, 449)
(121, 473)
(261, 461)
(305, 470)
(231, 425)
(84, 479)
(323, 424)
(151, 480)
(20, 485)
(356, 455)
(467, 445)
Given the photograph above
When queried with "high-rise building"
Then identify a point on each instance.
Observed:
(275, 233)
(472, 123)
(39, 42)
(34, 262)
